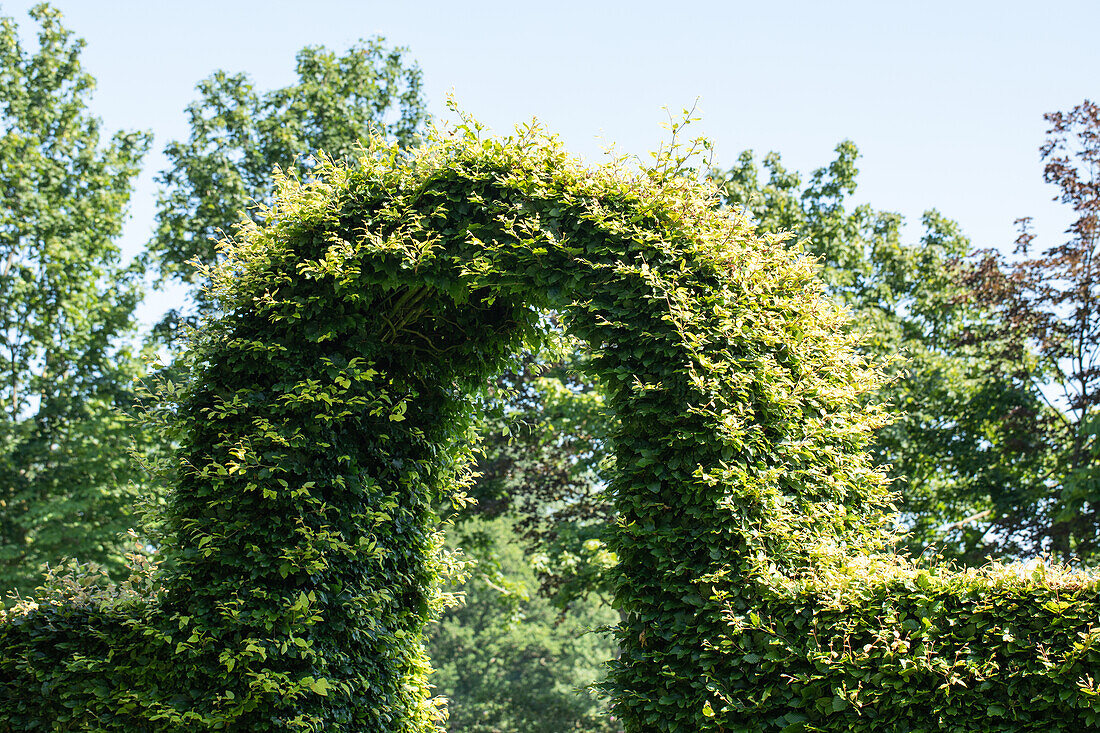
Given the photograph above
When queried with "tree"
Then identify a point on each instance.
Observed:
(66, 308)
(1047, 340)
(239, 136)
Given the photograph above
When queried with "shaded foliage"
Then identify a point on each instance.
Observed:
(543, 462)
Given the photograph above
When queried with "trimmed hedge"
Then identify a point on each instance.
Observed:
(329, 411)
(880, 644)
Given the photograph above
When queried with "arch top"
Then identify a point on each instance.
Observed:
(514, 214)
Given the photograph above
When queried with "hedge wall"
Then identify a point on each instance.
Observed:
(329, 410)
(879, 644)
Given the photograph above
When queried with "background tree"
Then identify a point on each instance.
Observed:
(1046, 340)
(66, 309)
(545, 434)
(239, 135)
(508, 660)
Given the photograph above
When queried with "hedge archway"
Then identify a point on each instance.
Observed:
(377, 299)
(330, 409)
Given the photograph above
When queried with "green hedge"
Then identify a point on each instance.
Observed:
(329, 410)
(880, 644)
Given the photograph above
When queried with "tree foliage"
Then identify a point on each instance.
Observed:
(331, 406)
(66, 310)
(543, 463)
(506, 659)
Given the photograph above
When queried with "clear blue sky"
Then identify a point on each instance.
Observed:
(944, 99)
